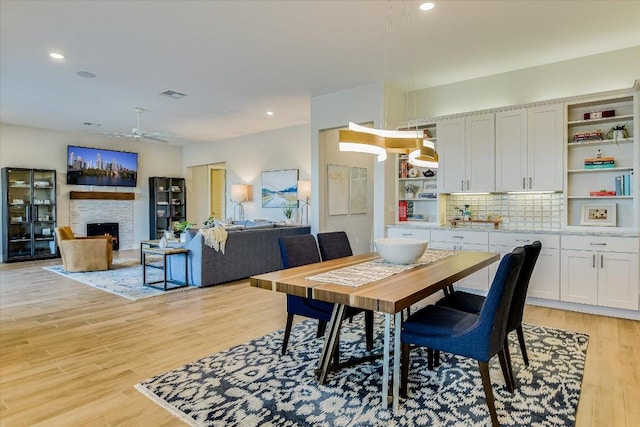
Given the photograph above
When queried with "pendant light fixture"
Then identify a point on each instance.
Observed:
(414, 143)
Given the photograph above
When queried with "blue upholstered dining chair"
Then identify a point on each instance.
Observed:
(334, 244)
(302, 250)
(479, 337)
(471, 303)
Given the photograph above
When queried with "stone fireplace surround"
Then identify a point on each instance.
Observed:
(84, 211)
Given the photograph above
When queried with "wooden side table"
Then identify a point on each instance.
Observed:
(165, 254)
(148, 244)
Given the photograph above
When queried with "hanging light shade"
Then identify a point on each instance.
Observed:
(425, 156)
(362, 139)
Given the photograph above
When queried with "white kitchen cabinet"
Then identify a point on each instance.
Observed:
(600, 271)
(529, 153)
(545, 279)
(466, 148)
(545, 165)
(455, 240)
(409, 233)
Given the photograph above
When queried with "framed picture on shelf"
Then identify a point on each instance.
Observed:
(599, 214)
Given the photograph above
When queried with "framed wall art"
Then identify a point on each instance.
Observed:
(600, 214)
(279, 187)
(358, 190)
(338, 189)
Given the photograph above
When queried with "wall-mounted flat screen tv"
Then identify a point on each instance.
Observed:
(97, 166)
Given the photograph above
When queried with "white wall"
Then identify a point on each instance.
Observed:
(357, 226)
(359, 105)
(246, 157)
(591, 74)
(46, 149)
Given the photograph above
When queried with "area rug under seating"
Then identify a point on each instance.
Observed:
(253, 385)
(123, 279)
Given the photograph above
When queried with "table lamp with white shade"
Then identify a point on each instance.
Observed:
(304, 195)
(239, 195)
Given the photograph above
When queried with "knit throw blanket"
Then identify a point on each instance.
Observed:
(215, 237)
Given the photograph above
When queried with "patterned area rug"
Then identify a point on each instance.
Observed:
(253, 385)
(123, 279)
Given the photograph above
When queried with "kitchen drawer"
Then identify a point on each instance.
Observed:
(459, 236)
(409, 233)
(519, 239)
(601, 243)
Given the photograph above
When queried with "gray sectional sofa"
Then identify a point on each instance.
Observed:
(248, 252)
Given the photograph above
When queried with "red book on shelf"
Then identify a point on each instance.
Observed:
(402, 210)
(602, 193)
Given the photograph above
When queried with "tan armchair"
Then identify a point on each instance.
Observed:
(84, 253)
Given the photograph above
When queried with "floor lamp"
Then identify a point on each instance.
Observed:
(239, 195)
(304, 194)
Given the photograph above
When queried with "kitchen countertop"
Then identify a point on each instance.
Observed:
(490, 229)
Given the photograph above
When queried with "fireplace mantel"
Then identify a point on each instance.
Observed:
(100, 195)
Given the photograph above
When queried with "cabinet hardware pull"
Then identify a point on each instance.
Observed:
(468, 186)
(407, 234)
(594, 261)
(523, 240)
(598, 244)
(458, 237)
(601, 261)
(462, 185)
(524, 185)
(530, 183)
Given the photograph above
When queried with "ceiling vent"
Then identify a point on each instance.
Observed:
(173, 94)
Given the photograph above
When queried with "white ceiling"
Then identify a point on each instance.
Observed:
(237, 59)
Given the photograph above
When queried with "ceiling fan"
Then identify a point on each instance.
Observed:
(139, 132)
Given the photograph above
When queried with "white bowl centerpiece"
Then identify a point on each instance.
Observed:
(400, 251)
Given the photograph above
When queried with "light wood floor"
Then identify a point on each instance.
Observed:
(70, 354)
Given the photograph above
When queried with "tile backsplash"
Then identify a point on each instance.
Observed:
(535, 212)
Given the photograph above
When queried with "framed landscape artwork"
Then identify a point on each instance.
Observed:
(600, 214)
(279, 187)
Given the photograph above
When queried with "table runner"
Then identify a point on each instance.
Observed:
(372, 271)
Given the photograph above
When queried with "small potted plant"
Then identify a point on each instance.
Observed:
(410, 191)
(181, 227)
(287, 209)
(618, 132)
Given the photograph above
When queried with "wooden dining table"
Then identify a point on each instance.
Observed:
(389, 296)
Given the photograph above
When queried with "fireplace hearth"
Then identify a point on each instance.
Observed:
(105, 229)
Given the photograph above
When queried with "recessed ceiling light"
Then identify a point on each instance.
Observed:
(427, 6)
(56, 55)
(270, 113)
(173, 94)
(86, 74)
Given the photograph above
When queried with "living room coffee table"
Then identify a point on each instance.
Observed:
(165, 253)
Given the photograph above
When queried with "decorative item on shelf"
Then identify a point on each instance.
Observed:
(602, 193)
(410, 190)
(429, 173)
(599, 162)
(595, 135)
(623, 184)
(599, 114)
(175, 189)
(598, 214)
(413, 173)
(618, 132)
